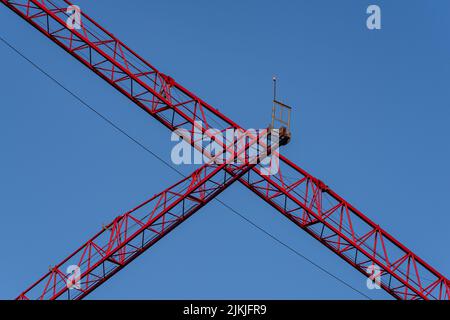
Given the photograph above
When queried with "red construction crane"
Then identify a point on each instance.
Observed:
(302, 198)
(130, 234)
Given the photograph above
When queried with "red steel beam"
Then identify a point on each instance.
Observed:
(302, 198)
(131, 234)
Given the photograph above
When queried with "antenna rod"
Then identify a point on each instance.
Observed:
(274, 88)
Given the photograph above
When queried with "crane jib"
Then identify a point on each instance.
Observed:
(305, 200)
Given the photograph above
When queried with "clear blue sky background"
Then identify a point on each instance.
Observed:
(371, 119)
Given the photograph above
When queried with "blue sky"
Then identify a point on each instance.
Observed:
(371, 119)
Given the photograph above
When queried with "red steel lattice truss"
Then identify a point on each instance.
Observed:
(130, 234)
(299, 196)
